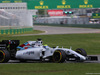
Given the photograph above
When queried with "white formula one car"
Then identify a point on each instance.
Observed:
(35, 50)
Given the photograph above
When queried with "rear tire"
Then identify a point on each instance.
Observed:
(59, 56)
(4, 56)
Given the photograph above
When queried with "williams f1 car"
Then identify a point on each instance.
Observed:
(36, 51)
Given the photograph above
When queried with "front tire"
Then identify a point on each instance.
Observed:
(4, 56)
(59, 56)
(81, 51)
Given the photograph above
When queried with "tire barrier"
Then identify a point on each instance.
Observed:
(15, 31)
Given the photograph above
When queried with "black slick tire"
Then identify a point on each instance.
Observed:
(4, 56)
(81, 51)
(59, 56)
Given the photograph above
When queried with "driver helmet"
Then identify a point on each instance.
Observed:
(45, 46)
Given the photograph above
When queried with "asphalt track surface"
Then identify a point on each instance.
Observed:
(65, 30)
(50, 30)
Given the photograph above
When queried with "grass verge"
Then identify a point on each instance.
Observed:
(49, 69)
(89, 42)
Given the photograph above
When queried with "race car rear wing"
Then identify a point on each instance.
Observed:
(10, 45)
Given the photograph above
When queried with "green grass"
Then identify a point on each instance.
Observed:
(89, 42)
(49, 69)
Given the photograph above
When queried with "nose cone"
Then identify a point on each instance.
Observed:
(82, 58)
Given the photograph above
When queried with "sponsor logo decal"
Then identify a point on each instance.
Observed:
(28, 53)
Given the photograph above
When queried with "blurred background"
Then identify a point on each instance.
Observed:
(15, 18)
(68, 16)
(20, 16)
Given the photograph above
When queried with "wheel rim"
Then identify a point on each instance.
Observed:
(2, 56)
(57, 56)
